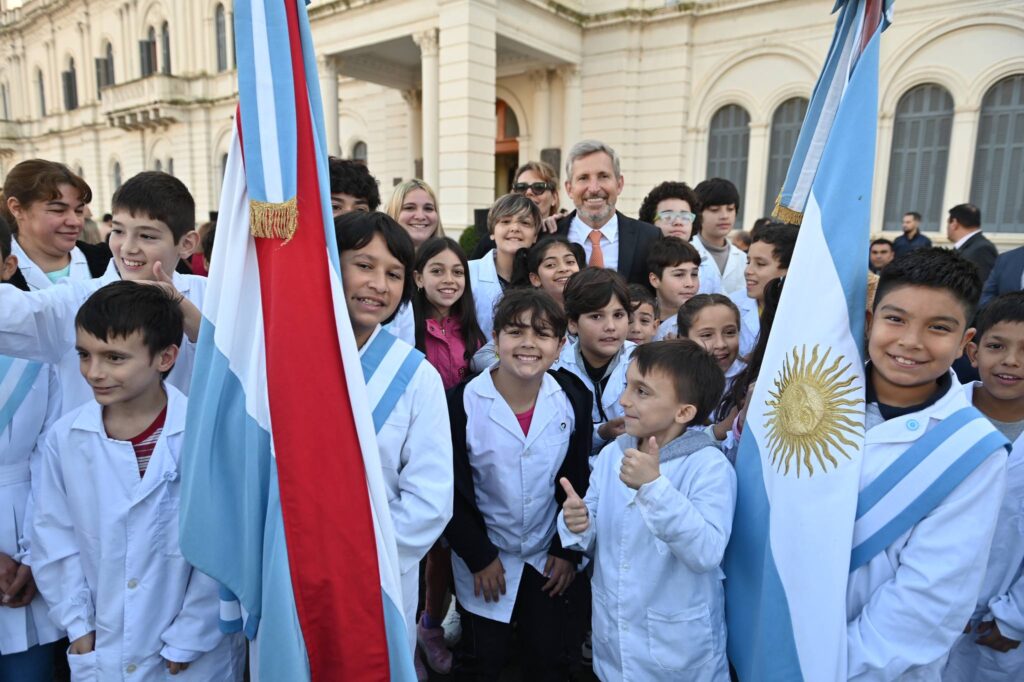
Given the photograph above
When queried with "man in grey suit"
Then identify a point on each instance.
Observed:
(963, 227)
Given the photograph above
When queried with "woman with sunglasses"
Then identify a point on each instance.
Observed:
(537, 180)
(672, 208)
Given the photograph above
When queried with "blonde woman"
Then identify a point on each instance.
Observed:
(414, 206)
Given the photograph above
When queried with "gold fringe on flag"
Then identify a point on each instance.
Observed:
(272, 220)
(785, 214)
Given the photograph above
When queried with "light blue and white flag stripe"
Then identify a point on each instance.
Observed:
(16, 379)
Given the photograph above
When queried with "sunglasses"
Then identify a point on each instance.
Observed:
(537, 187)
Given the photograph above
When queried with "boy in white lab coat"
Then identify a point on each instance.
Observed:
(673, 268)
(105, 548)
(516, 429)
(598, 308)
(932, 478)
(657, 518)
(990, 648)
(153, 228)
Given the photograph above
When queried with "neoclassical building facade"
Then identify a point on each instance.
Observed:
(459, 92)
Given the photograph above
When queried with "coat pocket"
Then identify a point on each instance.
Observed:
(600, 622)
(681, 640)
(84, 667)
(169, 511)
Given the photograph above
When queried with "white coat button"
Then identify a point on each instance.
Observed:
(130, 669)
(625, 566)
(625, 627)
(170, 475)
(526, 453)
(528, 500)
(913, 425)
(132, 584)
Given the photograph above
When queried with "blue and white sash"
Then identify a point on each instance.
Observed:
(389, 364)
(16, 379)
(913, 485)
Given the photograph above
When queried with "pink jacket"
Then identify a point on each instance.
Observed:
(446, 350)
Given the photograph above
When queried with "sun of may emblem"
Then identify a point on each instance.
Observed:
(810, 411)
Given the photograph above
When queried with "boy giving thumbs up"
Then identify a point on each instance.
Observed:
(656, 520)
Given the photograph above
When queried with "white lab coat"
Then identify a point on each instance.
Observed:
(416, 458)
(708, 275)
(40, 326)
(908, 604)
(571, 360)
(1002, 592)
(30, 625)
(514, 482)
(667, 329)
(750, 321)
(106, 556)
(487, 291)
(732, 279)
(658, 598)
(403, 325)
(74, 389)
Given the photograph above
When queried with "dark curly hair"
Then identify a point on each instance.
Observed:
(667, 190)
(352, 178)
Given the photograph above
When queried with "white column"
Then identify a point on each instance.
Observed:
(541, 124)
(430, 106)
(327, 69)
(415, 125)
(757, 173)
(962, 145)
(883, 151)
(572, 115)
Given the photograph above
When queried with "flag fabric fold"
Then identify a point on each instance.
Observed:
(798, 466)
(283, 499)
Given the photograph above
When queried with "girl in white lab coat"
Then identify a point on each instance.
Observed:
(656, 519)
(515, 430)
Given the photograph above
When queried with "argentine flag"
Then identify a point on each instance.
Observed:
(283, 500)
(798, 466)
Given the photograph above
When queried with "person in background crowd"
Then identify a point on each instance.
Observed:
(1007, 275)
(105, 225)
(539, 182)
(200, 260)
(719, 201)
(911, 238)
(672, 208)
(413, 205)
(741, 240)
(352, 187)
(643, 324)
(90, 231)
(881, 254)
(963, 228)
(206, 242)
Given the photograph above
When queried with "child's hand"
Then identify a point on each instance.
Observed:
(173, 667)
(22, 589)
(574, 511)
(84, 644)
(560, 573)
(723, 427)
(490, 581)
(639, 467)
(193, 318)
(612, 428)
(993, 639)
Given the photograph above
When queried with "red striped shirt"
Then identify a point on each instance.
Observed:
(145, 442)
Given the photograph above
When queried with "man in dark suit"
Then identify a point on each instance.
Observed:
(593, 181)
(963, 227)
(1007, 275)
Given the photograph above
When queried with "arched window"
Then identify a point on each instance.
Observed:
(223, 167)
(360, 151)
(116, 175)
(158, 165)
(105, 69)
(170, 165)
(69, 81)
(997, 184)
(147, 53)
(4, 102)
(920, 153)
(41, 92)
(786, 122)
(165, 48)
(728, 148)
(221, 28)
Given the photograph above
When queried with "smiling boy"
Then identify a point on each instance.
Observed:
(932, 478)
(768, 258)
(674, 271)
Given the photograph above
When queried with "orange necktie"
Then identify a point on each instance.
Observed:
(596, 257)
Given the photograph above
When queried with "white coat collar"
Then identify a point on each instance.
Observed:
(911, 426)
(488, 271)
(572, 356)
(34, 275)
(90, 417)
(483, 388)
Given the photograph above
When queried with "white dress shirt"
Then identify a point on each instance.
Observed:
(579, 232)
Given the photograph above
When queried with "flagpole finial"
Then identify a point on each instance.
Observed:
(273, 220)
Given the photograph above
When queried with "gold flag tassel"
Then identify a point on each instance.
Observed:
(785, 214)
(272, 220)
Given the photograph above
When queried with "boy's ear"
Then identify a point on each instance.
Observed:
(653, 279)
(8, 268)
(574, 328)
(685, 414)
(968, 338)
(972, 353)
(166, 358)
(561, 344)
(187, 244)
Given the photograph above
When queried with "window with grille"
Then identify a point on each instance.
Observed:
(165, 49)
(997, 183)
(920, 153)
(786, 122)
(220, 24)
(69, 82)
(41, 92)
(147, 53)
(728, 148)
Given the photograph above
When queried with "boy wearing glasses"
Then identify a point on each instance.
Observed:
(672, 207)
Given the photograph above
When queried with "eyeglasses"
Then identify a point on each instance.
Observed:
(537, 187)
(672, 216)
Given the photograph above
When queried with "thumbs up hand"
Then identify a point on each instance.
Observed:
(574, 511)
(639, 467)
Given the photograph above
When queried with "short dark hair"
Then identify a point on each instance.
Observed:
(688, 311)
(639, 295)
(667, 190)
(744, 236)
(697, 378)
(967, 215)
(512, 205)
(717, 192)
(669, 252)
(355, 230)
(123, 308)
(913, 214)
(881, 240)
(5, 239)
(353, 178)
(591, 289)
(160, 196)
(936, 268)
(782, 238)
(545, 315)
(528, 260)
(1006, 308)
(206, 241)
